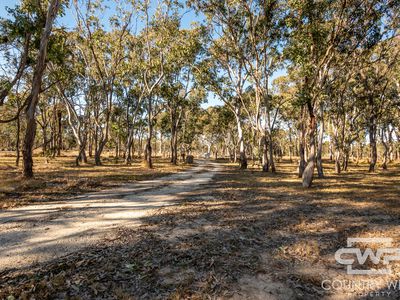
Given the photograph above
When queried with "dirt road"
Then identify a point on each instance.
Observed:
(37, 233)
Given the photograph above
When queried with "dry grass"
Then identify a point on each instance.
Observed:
(58, 177)
(247, 235)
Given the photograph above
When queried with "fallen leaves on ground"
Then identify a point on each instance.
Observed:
(245, 235)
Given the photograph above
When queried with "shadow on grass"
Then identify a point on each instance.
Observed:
(244, 224)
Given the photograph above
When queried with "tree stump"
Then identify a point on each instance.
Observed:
(189, 159)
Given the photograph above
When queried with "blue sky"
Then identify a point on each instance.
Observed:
(4, 3)
(188, 18)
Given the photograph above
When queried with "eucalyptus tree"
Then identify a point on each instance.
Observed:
(11, 130)
(310, 51)
(346, 115)
(18, 35)
(289, 111)
(157, 40)
(191, 125)
(72, 85)
(36, 87)
(179, 80)
(321, 30)
(134, 109)
(104, 52)
(394, 95)
(217, 122)
(293, 112)
(224, 70)
(374, 78)
(30, 31)
(246, 40)
(264, 37)
(43, 119)
(132, 91)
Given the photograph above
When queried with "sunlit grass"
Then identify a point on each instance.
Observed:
(55, 177)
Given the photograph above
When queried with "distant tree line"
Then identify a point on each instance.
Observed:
(135, 82)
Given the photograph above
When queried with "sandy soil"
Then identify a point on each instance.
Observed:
(38, 233)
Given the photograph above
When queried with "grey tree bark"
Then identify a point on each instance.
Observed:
(308, 174)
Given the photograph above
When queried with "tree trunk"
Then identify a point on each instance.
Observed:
(53, 132)
(95, 139)
(172, 150)
(390, 140)
(346, 157)
(100, 148)
(174, 143)
(372, 143)
(320, 169)
(44, 146)
(271, 155)
(160, 151)
(308, 173)
(183, 154)
(175, 148)
(140, 146)
(117, 147)
(338, 168)
(128, 148)
(133, 149)
(338, 156)
(97, 154)
(290, 146)
(386, 150)
(33, 99)
(265, 162)
(102, 143)
(242, 153)
(59, 133)
(155, 143)
(81, 154)
(397, 147)
(83, 157)
(90, 150)
(302, 160)
(358, 154)
(302, 142)
(148, 153)
(18, 142)
(29, 140)
(148, 150)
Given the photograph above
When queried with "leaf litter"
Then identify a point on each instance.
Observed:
(237, 239)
